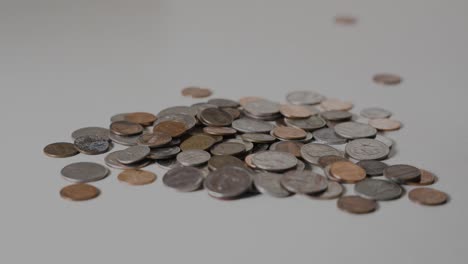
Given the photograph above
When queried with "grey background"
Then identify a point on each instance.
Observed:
(70, 64)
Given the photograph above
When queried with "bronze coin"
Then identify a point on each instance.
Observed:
(235, 113)
(427, 196)
(387, 79)
(217, 162)
(324, 161)
(199, 141)
(347, 171)
(248, 161)
(154, 140)
(385, 124)
(345, 20)
(142, 118)
(247, 99)
(292, 147)
(137, 177)
(295, 111)
(336, 104)
(289, 132)
(126, 128)
(356, 204)
(196, 92)
(427, 178)
(60, 150)
(79, 192)
(219, 131)
(172, 128)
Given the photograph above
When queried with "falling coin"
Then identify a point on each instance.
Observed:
(292, 147)
(137, 177)
(372, 167)
(387, 79)
(356, 204)
(270, 183)
(79, 192)
(196, 92)
(345, 20)
(60, 150)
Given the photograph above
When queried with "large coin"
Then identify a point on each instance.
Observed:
(228, 182)
(247, 125)
(356, 204)
(84, 172)
(312, 152)
(274, 160)
(132, 154)
(354, 130)
(304, 182)
(402, 173)
(308, 124)
(184, 179)
(270, 183)
(79, 192)
(188, 120)
(378, 189)
(367, 149)
(193, 157)
(92, 145)
(262, 108)
(304, 97)
(60, 150)
(336, 115)
(172, 128)
(328, 136)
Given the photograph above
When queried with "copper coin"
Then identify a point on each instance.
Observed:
(137, 177)
(172, 128)
(295, 111)
(427, 178)
(235, 113)
(385, 124)
(248, 161)
(60, 150)
(329, 159)
(245, 100)
(196, 92)
(347, 171)
(154, 140)
(142, 118)
(289, 133)
(345, 20)
(219, 131)
(336, 104)
(292, 147)
(356, 204)
(126, 128)
(427, 196)
(200, 141)
(217, 162)
(387, 79)
(79, 192)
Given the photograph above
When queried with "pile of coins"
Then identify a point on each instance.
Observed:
(311, 146)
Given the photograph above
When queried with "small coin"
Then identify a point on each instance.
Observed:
(91, 145)
(196, 92)
(137, 177)
(79, 192)
(247, 125)
(91, 131)
(356, 204)
(247, 99)
(345, 20)
(228, 148)
(217, 162)
(375, 112)
(154, 140)
(270, 183)
(324, 161)
(385, 124)
(172, 128)
(292, 147)
(188, 120)
(354, 130)
(402, 173)
(387, 79)
(262, 107)
(305, 182)
(125, 128)
(336, 115)
(132, 154)
(163, 153)
(124, 140)
(367, 149)
(372, 167)
(427, 178)
(380, 190)
(184, 179)
(258, 138)
(387, 141)
(313, 151)
(118, 117)
(60, 150)
(215, 117)
(295, 111)
(347, 171)
(193, 157)
(336, 104)
(111, 161)
(308, 124)
(329, 136)
(326, 172)
(219, 131)
(248, 161)
(274, 160)
(84, 172)
(223, 103)
(199, 141)
(304, 98)
(428, 196)
(334, 190)
(228, 182)
(142, 118)
(289, 133)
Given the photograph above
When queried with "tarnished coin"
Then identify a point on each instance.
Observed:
(91, 131)
(235, 113)
(313, 151)
(387, 141)
(295, 111)
(196, 92)
(154, 140)
(292, 147)
(193, 157)
(328, 136)
(137, 177)
(305, 182)
(172, 128)
(199, 141)
(372, 167)
(427, 178)
(402, 173)
(334, 190)
(123, 140)
(336, 104)
(184, 179)
(289, 133)
(308, 124)
(356, 204)
(274, 160)
(84, 172)
(387, 79)
(329, 159)
(258, 138)
(347, 171)
(375, 112)
(215, 117)
(247, 125)
(132, 154)
(125, 128)
(223, 103)
(219, 131)
(380, 190)
(217, 162)
(428, 196)
(163, 153)
(270, 183)
(92, 145)
(385, 124)
(111, 161)
(178, 110)
(188, 120)
(60, 150)
(336, 115)
(79, 192)
(304, 98)
(228, 182)
(345, 20)
(228, 148)
(354, 130)
(142, 118)
(367, 149)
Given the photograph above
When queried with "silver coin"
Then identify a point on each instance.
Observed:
(119, 117)
(193, 157)
(328, 136)
(185, 110)
(228, 148)
(380, 190)
(304, 98)
(228, 182)
(313, 151)
(91, 131)
(262, 107)
(84, 172)
(336, 115)
(248, 145)
(184, 179)
(270, 183)
(258, 138)
(402, 173)
(304, 182)
(354, 130)
(274, 160)
(111, 161)
(387, 141)
(247, 125)
(202, 106)
(260, 147)
(375, 112)
(333, 191)
(123, 140)
(263, 118)
(220, 102)
(163, 153)
(168, 163)
(215, 117)
(132, 154)
(188, 120)
(308, 124)
(91, 145)
(372, 167)
(367, 149)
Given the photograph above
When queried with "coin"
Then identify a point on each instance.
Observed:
(199, 141)
(372, 167)
(334, 190)
(345, 20)
(326, 172)
(258, 138)
(193, 157)
(60, 150)
(172, 128)
(292, 147)
(220, 102)
(324, 161)
(375, 112)
(91, 145)
(196, 92)
(305, 182)
(178, 110)
(228, 182)
(274, 160)
(188, 120)
(248, 161)
(387, 79)
(79, 192)
(367, 149)
(354, 130)
(270, 183)
(387, 141)
(235, 113)
(304, 98)
(118, 117)
(124, 140)
(380, 190)
(168, 164)
(313, 151)
(336, 104)
(154, 140)
(111, 161)
(308, 124)
(328, 136)
(228, 148)
(347, 171)
(142, 118)
(356, 204)
(132, 154)
(137, 177)
(247, 125)
(262, 107)
(184, 179)
(125, 128)
(295, 111)
(163, 153)
(247, 99)
(385, 124)
(402, 173)
(336, 115)
(219, 131)
(427, 178)
(91, 131)
(84, 172)
(215, 117)
(428, 196)
(289, 133)
(217, 162)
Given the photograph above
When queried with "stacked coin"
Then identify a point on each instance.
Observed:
(310, 146)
